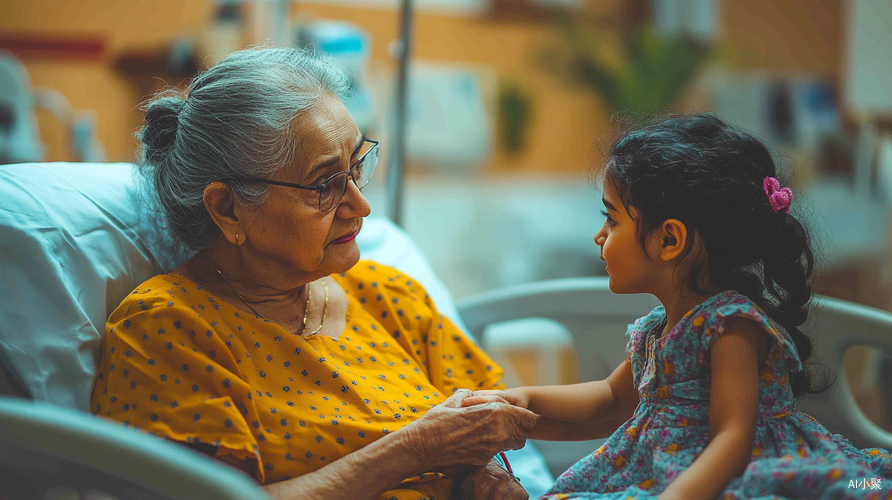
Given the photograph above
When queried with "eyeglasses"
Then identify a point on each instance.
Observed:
(331, 190)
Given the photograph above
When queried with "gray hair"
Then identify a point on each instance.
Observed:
(236, 120)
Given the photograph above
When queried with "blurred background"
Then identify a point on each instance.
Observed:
(509, 105)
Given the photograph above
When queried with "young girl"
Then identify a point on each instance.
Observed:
(703, 407)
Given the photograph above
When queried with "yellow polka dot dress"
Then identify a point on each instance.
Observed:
(180, 363)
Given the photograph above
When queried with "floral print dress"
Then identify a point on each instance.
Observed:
(793, 455)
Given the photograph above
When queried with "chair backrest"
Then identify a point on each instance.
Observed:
(598, 319)
(835, 326)
(45, 449)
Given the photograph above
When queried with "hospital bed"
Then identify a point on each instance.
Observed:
(74, 241)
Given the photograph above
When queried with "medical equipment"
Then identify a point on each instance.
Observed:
(18, 124)
(19, 135)
(350, 46)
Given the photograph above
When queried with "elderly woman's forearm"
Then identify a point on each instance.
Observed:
(362, 475)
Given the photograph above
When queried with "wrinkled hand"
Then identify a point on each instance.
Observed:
(450, 435)
(490, 482)
(509, 396)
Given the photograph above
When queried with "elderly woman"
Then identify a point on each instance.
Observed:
(273, 349)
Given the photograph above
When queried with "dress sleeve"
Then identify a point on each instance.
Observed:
(452, 360)
(636, 341)
(630, 333)
(713, 321)
(165, 370)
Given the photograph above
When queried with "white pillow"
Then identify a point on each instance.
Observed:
(71, 247)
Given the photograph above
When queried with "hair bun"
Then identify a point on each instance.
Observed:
(159, 133)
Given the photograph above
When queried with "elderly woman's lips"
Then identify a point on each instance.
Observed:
(345, 239)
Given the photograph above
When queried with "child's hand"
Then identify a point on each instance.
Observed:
(509, 396)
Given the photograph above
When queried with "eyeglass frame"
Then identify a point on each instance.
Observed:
(319, 188)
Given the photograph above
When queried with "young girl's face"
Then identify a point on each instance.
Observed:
(627, 264)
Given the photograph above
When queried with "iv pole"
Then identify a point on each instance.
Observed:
(394, 188)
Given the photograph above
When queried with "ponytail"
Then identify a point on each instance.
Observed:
(787, 268)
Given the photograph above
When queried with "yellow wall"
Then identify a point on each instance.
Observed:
(791, 35)
(786, 35)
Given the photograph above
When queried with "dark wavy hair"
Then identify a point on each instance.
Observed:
(709, 175)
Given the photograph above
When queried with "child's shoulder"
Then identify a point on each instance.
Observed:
(711, 319)
(716, 310)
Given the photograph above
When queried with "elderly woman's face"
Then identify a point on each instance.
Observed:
(288, 227)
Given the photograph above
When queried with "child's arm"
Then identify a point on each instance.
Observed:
(733, 407)
(549, 429)
(573, 412)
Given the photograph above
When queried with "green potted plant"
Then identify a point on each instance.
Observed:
(515, 116)
(648, 72)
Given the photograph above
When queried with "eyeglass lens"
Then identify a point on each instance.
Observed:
(361, 172)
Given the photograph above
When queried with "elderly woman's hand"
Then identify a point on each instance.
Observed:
(451, 435)
(490, 482)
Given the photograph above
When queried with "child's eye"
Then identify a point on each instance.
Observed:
(609, 221)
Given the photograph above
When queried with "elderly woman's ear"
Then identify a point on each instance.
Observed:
(225, 212)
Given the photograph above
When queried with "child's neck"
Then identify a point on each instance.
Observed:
(677, 305)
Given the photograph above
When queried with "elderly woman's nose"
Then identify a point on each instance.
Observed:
(353, 204)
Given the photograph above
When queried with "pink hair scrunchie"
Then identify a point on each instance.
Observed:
(780, 198)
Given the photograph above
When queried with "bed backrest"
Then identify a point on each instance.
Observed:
(53, 453)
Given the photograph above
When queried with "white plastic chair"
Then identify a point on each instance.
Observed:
(597, 318)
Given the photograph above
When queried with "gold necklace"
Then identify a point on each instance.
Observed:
(324, 309)
(306, 308)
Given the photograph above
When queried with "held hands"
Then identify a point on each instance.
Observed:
(452, 433)
(508, 396)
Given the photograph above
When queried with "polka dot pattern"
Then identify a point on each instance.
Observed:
(284, 404)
